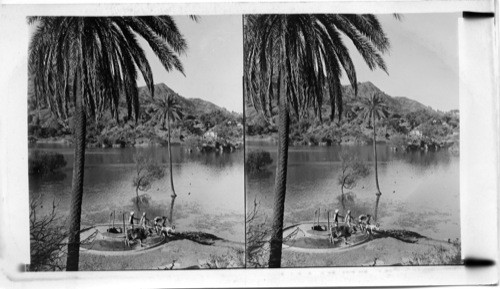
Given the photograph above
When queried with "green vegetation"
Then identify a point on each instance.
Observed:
(256, 236)
(409, 125)
(257, 160)
(47, 235)
(42, 162)
(202, 124)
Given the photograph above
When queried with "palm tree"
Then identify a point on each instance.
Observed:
(290, 62)
(169, 109)
(83, 66)
(373, 108)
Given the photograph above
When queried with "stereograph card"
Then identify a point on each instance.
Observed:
(331, 143)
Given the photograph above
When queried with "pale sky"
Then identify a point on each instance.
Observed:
(213, 63)
(422, 63)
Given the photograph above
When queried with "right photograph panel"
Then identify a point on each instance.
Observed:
(351, 140)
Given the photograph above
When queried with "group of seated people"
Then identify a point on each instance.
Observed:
(350, 225)
(158, 224)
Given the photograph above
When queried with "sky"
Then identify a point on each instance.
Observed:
(213, 64)
(422, 62)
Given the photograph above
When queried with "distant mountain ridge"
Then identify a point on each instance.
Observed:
(407, 118)
(400, 104)
(190, 105)
(199, 116)
(396, 104)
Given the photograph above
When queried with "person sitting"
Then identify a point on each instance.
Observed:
(131, 219)
(144, 220)
(364, 221)
(370, 228)
(159, 223)
(349, 221)
(168, 231)
(341, 231)
(336, 217)
(136, 234)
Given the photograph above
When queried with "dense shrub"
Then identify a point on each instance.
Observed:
(43, 132)
(226, 131)
(257, 242)
(399, 141)
(47, 235)
(193, 142)
(257, 160)
(41, 162)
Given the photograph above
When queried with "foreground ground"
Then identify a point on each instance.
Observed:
(381, 251)
(186, 254)
(179, 254)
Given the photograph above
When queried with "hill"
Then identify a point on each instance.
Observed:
(399, 104)
(200, 116)
(409, 121)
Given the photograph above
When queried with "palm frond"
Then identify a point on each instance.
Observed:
(103, 55)
(303, 56)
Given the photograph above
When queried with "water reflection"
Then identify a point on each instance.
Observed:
(425, 184)
(424, 159)
(109, 156)
(209, 185)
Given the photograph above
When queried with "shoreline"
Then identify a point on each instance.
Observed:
(424, 145)
(142, 144)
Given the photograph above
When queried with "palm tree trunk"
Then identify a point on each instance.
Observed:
(75, 211)
(378, 193)
(174, 195)
(280, 183)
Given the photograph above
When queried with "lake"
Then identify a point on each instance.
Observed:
(420, 190)
(209, 187)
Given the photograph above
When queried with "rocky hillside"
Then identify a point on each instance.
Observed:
(409, 121)
(199, 117)
(398, 104)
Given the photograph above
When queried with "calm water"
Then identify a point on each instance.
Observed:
(420, 190)
(209, 188)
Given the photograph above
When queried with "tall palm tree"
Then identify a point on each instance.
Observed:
(83, 66)
(373, 108)
(169, 109)
(290, 62)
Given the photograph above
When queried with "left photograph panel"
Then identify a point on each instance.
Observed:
(135, 130)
